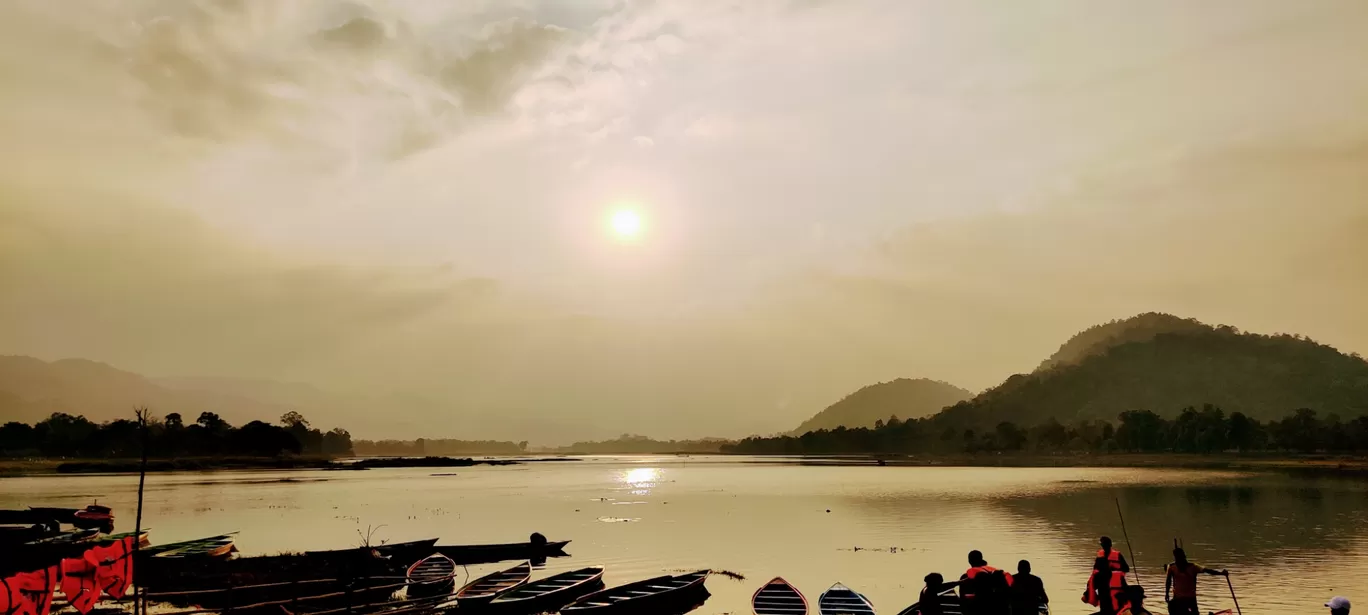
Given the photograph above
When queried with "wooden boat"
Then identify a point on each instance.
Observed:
(950, 605)
(198, 545)
(93, 516)
(650, 596)
(489, 554)
(216, 546)
(488, 587)
(841, 600)
(434, 575)
(551, 593)
(402, 552)
(778, 597)
(67, 538)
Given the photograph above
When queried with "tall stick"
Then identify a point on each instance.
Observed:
(137, 524)
(1232, 594)
(1135, 567)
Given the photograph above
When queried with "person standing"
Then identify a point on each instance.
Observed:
(1339, 605)
(1028, 591)
(1106, 588)
(1114, 557)
(1180, 584)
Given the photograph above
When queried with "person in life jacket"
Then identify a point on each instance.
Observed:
(1114, 557)
(1106, 588)
(1135, 598)
(1181, 581)
(983, 588)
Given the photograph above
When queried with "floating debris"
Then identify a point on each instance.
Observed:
(618, 519)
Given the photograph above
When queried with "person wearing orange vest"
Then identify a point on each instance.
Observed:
(1135, 598)
(1181, 581)
(1114, 557)
(1106, 588)
(979, 576)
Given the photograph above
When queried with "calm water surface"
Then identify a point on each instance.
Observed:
(1290, 543)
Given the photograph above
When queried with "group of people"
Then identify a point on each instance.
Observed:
(985, 590)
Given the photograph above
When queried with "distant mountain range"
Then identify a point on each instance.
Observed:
(904, 398)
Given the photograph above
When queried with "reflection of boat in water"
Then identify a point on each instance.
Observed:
(549, 594)
(676, 594)
(778, 597)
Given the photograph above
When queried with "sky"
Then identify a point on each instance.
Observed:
(413, 198)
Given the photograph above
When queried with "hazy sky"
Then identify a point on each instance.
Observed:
(413, 196)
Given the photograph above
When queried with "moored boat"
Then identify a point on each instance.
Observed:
(656, 595)
(434, 575)
(217, 546)
(549, 594)
(68, 537)
(489, 587)
(948, 601)
(841, 600)
(488, 554)
(94, 516)
(778, 597)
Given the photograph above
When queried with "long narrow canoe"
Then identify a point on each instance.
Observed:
(68, 537)
(488, 587)
(778, 597)
(197, 545)
(489, 554)
(948, 600)
(551, 593)
(649, 596)
(401, 552)
(434, 575)
(217, 546)
(841, 600)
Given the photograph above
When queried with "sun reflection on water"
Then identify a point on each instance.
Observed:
(641, 480)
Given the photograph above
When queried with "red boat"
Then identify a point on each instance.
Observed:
(94, 516)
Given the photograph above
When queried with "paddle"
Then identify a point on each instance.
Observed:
(1232, 593)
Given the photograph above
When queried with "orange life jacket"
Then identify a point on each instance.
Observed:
(966, 592)
(1116, 590)
(1113, 558)
(113, 566)
(29, 593)
(78, 583)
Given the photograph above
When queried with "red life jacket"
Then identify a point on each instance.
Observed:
(29, 593)
(1115, 590)
(113, 566)
(78, 583)
(1113, 558)
(968, 593)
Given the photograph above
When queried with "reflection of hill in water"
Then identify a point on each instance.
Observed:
(1247, 521)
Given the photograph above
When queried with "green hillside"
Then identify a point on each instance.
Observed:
(1097, 339)
(904, 398)
(1263, 376)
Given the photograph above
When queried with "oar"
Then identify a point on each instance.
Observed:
(1135, 567)
(1232, 593)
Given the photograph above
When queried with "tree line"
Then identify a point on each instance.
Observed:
(423, 447)
(1205, 430)
(66, 435)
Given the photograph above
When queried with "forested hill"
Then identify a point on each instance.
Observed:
(1097, 339)
(904, 398)
(1262, 376)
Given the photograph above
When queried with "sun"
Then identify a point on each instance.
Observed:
(626, 223)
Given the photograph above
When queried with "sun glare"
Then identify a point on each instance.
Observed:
(626, 223)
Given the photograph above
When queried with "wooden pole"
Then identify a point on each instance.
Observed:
(137, 524)
(1232, 594)
(1135, 567)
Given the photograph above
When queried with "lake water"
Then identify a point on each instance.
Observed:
(1290, 542)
